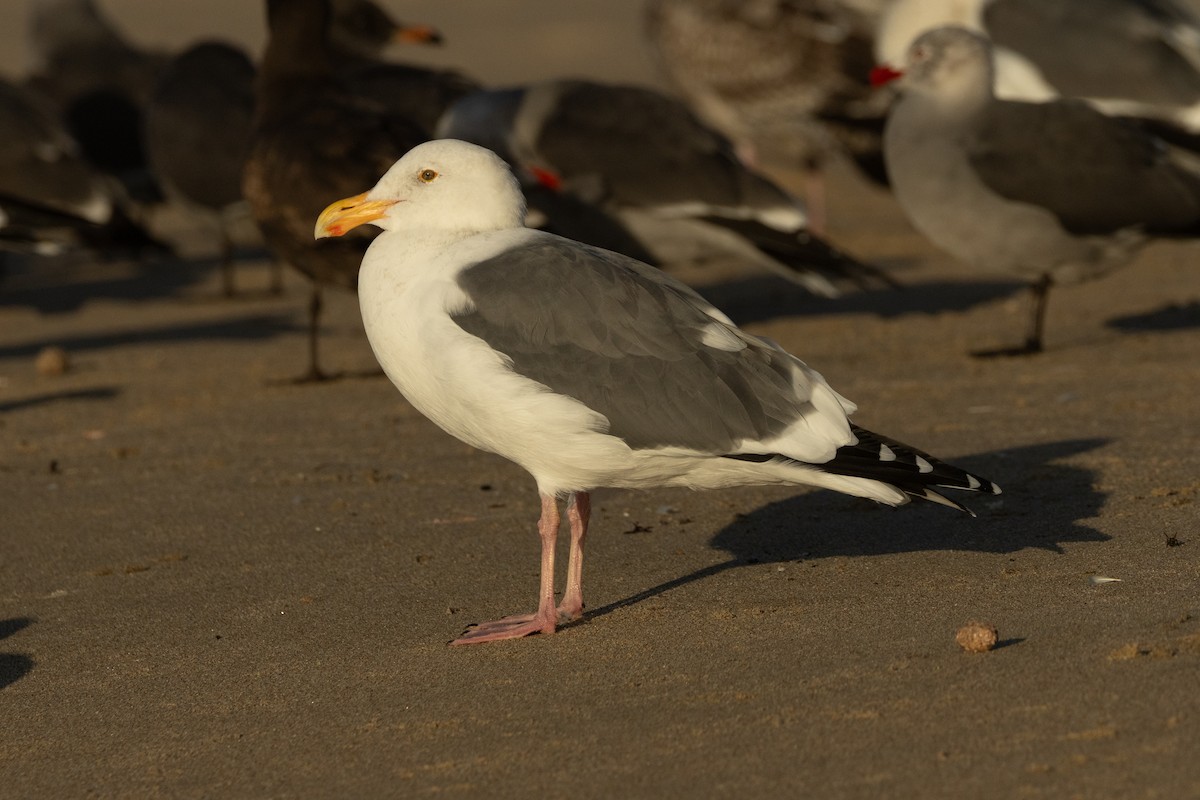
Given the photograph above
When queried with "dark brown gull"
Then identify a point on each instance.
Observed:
(313, 139)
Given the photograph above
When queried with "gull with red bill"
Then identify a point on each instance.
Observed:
(1054, 192)
(668, 189)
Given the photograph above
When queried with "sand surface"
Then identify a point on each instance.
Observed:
(214, 583)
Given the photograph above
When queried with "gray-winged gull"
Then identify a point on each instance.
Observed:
(672, 183)
(1128, 57)
(1054, 192)
(198, 120)
(588, 368)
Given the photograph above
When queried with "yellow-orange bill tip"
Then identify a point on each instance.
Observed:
(343, 216)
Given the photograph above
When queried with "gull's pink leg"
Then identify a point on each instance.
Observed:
(578, 512)
(546, 617)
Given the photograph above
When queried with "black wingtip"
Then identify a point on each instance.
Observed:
(912, 471)
(804, 252)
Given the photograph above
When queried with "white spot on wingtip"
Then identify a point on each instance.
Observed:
(886, 453)
(973, 482)
(923, 465)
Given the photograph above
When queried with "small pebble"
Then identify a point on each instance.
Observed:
(51, 361)
(977, 637)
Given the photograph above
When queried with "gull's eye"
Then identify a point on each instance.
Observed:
(427, 175)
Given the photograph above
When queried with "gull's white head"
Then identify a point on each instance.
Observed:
(952, 63)
(440, 185)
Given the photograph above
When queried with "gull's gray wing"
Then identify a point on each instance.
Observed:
(1097, 174)
(660, 363)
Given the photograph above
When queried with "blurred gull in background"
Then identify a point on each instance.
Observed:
(785, 80)
(658, 175)
(1128, 57)
(1054, 192)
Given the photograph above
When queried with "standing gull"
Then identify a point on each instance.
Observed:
(1054, 192)
(312, 139)
(1129, 57)
(199, 119)
(786, 80)
(672, 183)
(587, 368)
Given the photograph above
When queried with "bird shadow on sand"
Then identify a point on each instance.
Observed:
(65, 284)
(13, 666)
(1042, 506)
(1173, 317)
(248, 328)
(97, 393)
(762, 298)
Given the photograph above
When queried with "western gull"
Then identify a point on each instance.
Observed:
(669, 183)
(1054, 192)
(588, 368)
(1128, 57)
(786, 80)
(313, 139)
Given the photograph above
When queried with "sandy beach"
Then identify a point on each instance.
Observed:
(215, 583)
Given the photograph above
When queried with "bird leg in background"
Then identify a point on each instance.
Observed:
(227, 286)
(1041, 296)
(1033, 342)
(579, 511)
(546, 617)
(314, 373)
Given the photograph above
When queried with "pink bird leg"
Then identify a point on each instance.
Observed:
(546, 618)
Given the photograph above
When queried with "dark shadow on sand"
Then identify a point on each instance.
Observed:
(762, 298)
(1175, 317)
(1042, 504)
(98, 393)
(253, 327)
(13, 666)
(65, 284)
(60, 285)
